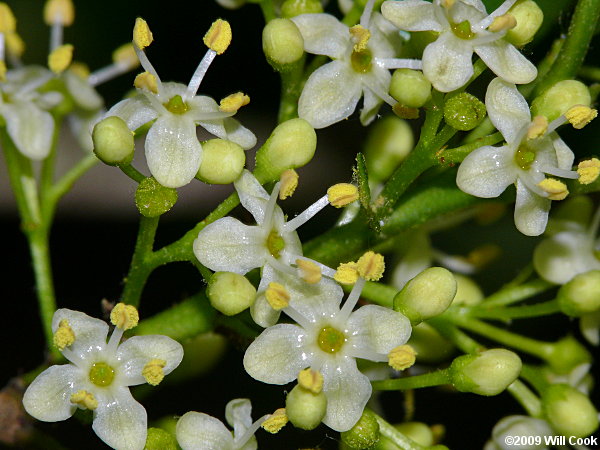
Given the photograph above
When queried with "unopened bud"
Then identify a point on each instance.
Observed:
(230, 293)
(222, 162)
(153, 199)
(529, 17)
(364, 434)
(389, 143)
(566, 354)
(159, 439)
(304, 408)
(410, 88)
(580, 295)
(555, 101)
(282, 43)
(464, 111)
(568, 411)
(293, 8)
(468, 293)
(113, 141)
(417, 431)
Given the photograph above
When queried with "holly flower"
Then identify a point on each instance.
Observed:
(100, 373)
(464, 27)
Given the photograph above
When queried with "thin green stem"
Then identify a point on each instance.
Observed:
(268, 10)
(291, 88)
(458, 154)
(48, 164)
(591, 73)
(416, 382)
(132, 172)
(399, 439)
(514, 294)
(517, 312)
(533, 376)
(447, 329)
(379, 293)
(526, 398)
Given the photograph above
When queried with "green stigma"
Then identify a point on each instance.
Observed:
(362, 60)
(101, 374)
(275, 244)
(331, 340)
(524, 157)
(176, 105)
(463, 30)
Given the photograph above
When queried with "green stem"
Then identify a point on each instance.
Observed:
(132, 172)
(379, 293)
(526, 398)
(416, 382)
(447, 329)
(591, 73)
(400, 440)
(291, 88)
(517, 312)
(268, 10)
(458, 154)
(533, 376)
(514, 294)
(47, 171)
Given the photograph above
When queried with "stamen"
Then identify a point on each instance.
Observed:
(147, 81)
(201, 70)
(276, 421)
(365, 17)
(370, 266)
(306, 215)
(360, 36)
(448, 3)
(3, 70)
(84, 399)
(501, 10)
(289, 183)
(502, 23)
(347, 273)
(59, 11)
(218, 37)
(277, 296)
(8, 23)
(402, 357)
(342, 194)
(124, 316)
(124, 59)
(311, 380)
(64, 335)
(483, 255)
(588, 170)
(352, 299)
(556, 190)
(14, 44)
(232, 103)
(80, 69)
(579, 116)
(153, 371)
(142, 36)
(400, 63)
(539, 126)
(270, 209)
(60, 58)
(310, 272)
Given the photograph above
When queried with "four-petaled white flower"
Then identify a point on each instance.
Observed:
(328, 339)
(464, 27)
(199, 431)
(99, 376)
(488, 171)
(362, 56)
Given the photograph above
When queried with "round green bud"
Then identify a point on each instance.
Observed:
(159, 439)
(468, 293)
(410, 88)
(464, 111)
(427, 295)
(580, 295)
(568, 411)
(364, 434)
(292, 144)
(305, 409)
(389, 143)
(487, 373)
(113, 141)
(222, 162)
(153, 199)
(529, 20)
(230, 293)
(555, 101)
(431, 346)
(566, 354)
(283, 44)
(417, 431)
(293, 8)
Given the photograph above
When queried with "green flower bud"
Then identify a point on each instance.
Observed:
(222, 162)
(568, 411)
(153, 199)
(580, 295)
(427, 295)
(431, 346)
(113, 141)
(468, 293)
(555, 101)
(304, 408)
(293, 8)
(159, 439)
(364, 434)
(230, 293)
(389, 143)
(292, 144)
(464, 111)
(283, 44)
(486, 373)
(410, 88)
(566, 354)
(529, 20)
(417, 431)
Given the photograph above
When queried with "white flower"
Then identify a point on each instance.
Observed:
(525, 160)
(362, 56)
(99, 375)
(199, 431)
(464, 27)
(327, 339)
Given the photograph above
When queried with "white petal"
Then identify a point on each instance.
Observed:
(277, 355)
(330, 94)
(589, 325)
(30, 128)
(83, 93)
(385, 38)
(411, 15)
(347, 391)
(467, 10)
(323, 34)
(447, 62)
(173, 151)
(229, 245)
(90, 333)
(120, 421)
(48, 397)
(371, 105)
(314, 301)
(252, 195)
(378, 329)
(137, 351)
(507, 108)
(199, 431)
(487, 171)
(238, 414)
(236, 132)
(203, 108)
(261, 311)
(135, 111)
(82, 125)
(507, 62)
(564, 154)
(531, 211)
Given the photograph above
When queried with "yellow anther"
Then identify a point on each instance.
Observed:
(64, 335)
(80, 69)
(153, 371)
(124, 316)
(538, 127)
(311, 380)
(556, 189)
(370, 266)
(483, 255)
(233, 102)
(311, 273)
(60, 58)
(277, 296)
(8, 23)
(147, 81)
(361, 36)
(125, 55)
(346, 273)
(402, 357)
(588, 170)
(14, 44)
(342, 194)
(276, 421)
(580, 115)
(59, 11)
(2, 70)
(84, 399)
(289, 183)
(142, 36)
(448, 3)
(503, 22)
(218, 37)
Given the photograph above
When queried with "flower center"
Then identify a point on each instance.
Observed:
(463, 30)
(361, 60)
(101, 374)
(275, 244)
(176, 105)
(524, 157)
(331, 340)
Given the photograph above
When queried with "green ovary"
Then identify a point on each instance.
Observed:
(361, 61)
(463, 30)
(176, 105)
(524, 157)
(331, 340)
(101, 374)
(275, 244)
